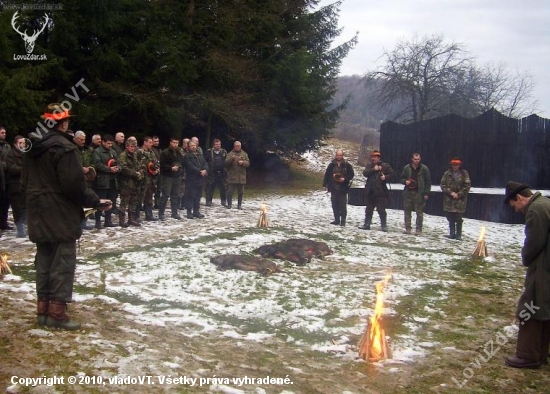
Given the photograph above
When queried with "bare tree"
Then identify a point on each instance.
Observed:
(428, 77)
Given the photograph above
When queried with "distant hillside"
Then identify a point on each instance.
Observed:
(359, 118)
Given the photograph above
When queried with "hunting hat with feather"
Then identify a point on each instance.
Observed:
(56, 112)
(513, 189)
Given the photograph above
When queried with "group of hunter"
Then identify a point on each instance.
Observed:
(415, 176)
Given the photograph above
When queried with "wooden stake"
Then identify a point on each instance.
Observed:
(365, 351)
(4, 267)
(480, 250)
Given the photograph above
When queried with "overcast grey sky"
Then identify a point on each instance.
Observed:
(514, 32)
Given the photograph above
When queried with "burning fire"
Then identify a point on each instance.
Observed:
(4, 267)
(262, 220)
(481, 234)
(376, 339)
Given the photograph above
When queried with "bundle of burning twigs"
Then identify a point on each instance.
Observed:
(4, 267)
(262, 221)
(481, 246)
(373, 345)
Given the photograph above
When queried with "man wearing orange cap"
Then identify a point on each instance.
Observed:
(455, 185)
(376, 189)
(56, 191)
(533, 309)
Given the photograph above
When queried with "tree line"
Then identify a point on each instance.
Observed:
(262, 72)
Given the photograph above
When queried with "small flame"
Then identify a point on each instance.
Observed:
(481, 234)
(263, 209)
(375, 334)
(5, 257)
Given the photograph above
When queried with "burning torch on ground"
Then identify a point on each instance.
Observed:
(481, 247)
(262, 220)
(4, 267)
(373, 345)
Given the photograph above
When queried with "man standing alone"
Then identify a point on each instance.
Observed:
(337, 179)
(417, 181)
(533, 309)
(56, 191)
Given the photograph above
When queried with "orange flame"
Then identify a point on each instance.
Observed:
(375, 334)
(481, 234)
(263, 209)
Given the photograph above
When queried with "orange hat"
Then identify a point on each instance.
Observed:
(56, 112)
(456, 160)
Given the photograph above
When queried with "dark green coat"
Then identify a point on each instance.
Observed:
(460, 185)
(100, 158)
(424, 182)
(535, 255)
(55, 189)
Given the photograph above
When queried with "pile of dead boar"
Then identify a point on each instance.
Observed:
(297, 251)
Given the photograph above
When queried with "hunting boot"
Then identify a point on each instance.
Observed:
(108, 220)
(229, 201)
(458, 231)
(137, 215)
(239, 201)
(336, 220)
(368, 220)
(149, 213)
(384, 221)
(58, 318)
(42, 310)
(343, 220)
(122, 219)
(174, 209)
(98, 220)
(452, 231)
(132, 219)
(190, 214)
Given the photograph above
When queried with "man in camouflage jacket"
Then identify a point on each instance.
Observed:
(236, 163)
(418, 184)
(455, 185)
(130, 178)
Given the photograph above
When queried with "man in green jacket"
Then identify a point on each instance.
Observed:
(236, 163)
(533, 309)
(417, 181)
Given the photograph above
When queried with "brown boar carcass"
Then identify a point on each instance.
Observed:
(245, 263)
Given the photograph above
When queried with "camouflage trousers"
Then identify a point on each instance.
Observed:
(128, 199)
(414, 201)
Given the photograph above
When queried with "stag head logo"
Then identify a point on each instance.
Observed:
(29, 40)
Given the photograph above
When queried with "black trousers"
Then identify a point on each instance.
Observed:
(533, 339)
(339, 201)
(193, 194)
(55, 267)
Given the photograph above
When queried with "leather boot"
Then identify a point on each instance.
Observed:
(58, 318)
(336, 220)
(149, 214)
(384, 221)
(98, 223)
(132, 220)
(137, 216)
(229, 201)
(343, 220)
(108, 220)
(368, 220)
(190, 214)
(122, 219)
(452, 231)
(239, 201)
(458, 235)
(42, 310)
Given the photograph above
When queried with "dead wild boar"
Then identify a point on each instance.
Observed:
(245, 263)
(298, 251)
